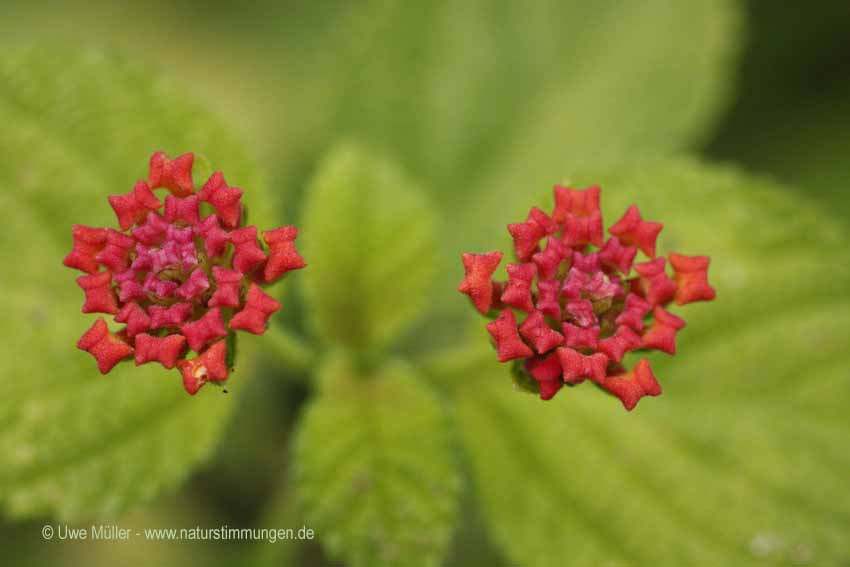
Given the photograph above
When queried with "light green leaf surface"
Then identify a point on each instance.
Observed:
(73, 443)
(374, 467)
(477, 96)
(743, 459)
(369, 239)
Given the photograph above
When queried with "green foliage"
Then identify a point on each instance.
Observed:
(78, 126)
(742, 458)
(369, 239)
(487, 100)
(374, 468)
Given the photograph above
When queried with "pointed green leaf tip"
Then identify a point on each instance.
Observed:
(744, 460)
(374, 467)
(78, 126)
(369, 235)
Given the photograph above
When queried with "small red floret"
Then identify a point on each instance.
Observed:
(517, 293)
(225, 200)
(134, 206)
(631, 386)
(506, 336)
(205, 330)
(546, 370)
(259, 306)
(116, 254)
(174, 175)
(100, 297)
(617, 345)
(209, 366)
(661, 335)
(653, 283)
(537, 332)
(632, 230)
(88, 242)
(228, 288)
(165, 350)
(182, 209)
(108, 349)
(691, 275)
(135, 317)
(578, 210)
(283, 256)
(576, 367)
(476, 283)
(248, 253)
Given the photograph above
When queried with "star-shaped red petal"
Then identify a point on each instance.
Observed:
(576, 367)
(283, 256)
(215, 238)
(661, 335)
(634, 312)
(547, 298)
(115, 256)
(205, 330)
(254, 317)
(184, 209)
(549, 260)
(653, 283)
(100, 297)
(135, 317)
(632, 230)
(579, 213)
(580, 337)
(165, 350)
(172, 316)
(537, 332)
(615, 256)
(152, 231)
(622, 341)
(546, 371)
(631, 386)
(225, 200)
(506, 336)
(581, 311)
(228, 288)
(691, 275)
(174, 175)
(518, 290)
(134, 206)
(88, 241)
(477, 283)
(248, 255)
(108, 349)
(194, 286)
(209, 366)
(526, 237)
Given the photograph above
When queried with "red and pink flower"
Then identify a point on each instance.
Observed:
(181, 274)
(573, 308)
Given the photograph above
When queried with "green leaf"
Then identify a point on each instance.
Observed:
(374, 468)
(743, 456)
(476, 95)
(78, 126)
(369, 239)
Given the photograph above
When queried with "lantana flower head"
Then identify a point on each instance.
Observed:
(575, 303)
(181, 274)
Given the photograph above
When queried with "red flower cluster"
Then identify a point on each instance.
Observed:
(583, 309)
(180, 275)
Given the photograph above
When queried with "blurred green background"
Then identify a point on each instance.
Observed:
(486, 104)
